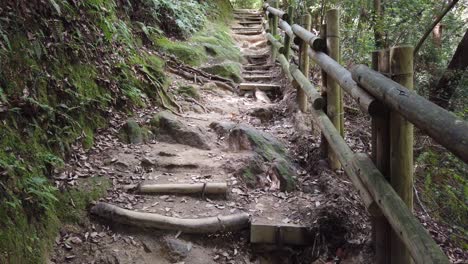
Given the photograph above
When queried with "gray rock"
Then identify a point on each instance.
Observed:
(167, 127)
(132, 133)
(244, 137)
(177, 249)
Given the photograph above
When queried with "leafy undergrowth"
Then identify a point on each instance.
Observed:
(444, 185)
(65, 66)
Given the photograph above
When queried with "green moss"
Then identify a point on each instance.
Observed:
(230, 70)
(218, 43)
(73, 203)
(191, 54)
(189, 91)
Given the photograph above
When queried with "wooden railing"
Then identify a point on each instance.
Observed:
(385, 180)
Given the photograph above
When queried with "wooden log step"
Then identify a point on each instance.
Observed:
(247, 28)
(281, 234)
(258, 77)
(256, 56)
(255, 72)
(259, 86)
(254, 67)
(179, 188)
(248, 33)
(249, 23)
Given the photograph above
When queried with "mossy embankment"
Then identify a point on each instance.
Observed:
(63, 66)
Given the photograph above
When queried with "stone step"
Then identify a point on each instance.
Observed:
(260, 86)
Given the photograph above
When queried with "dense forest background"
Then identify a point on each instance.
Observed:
(61, 60)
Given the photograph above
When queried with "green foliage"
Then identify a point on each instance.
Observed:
(217, 43)
(190, 54)
(249, 4)
(445, 187)
(230, 70)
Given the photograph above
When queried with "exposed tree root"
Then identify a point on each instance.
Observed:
(193, 226)
(189, 99)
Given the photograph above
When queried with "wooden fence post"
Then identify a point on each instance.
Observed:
(401, 145)
(323, 140)
(334, 94)
(287, 38)
(381, 157)
(274, 29)
(304, 63)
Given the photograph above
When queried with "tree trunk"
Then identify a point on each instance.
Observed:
(378, 25)
(443, 91)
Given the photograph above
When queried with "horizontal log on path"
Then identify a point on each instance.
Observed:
(257, 67)
(256, 72)
(260, 86)
(367, 103)
(442, 125)
(261, 96)
(315, 98)
(206, 225)
(258, 77)
(281, 234)
(181, 188)
(407, 227)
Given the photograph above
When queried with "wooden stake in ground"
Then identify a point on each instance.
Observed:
(334, 95)
(287, 38)
(381, 157)
(304, 63)
(190, 226)
(401, 145)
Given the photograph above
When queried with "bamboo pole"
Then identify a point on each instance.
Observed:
(401, 145)
(334, 96)
(304, 34)
(442, 125)
(334, 70)
(304, 64)
(274, 42)
(323, 140)
(288, 38)
(191, 226)
(316, 99)
(285, 65)
(275, 21)
(381, 158)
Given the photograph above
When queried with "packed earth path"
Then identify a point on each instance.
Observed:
(249, 159)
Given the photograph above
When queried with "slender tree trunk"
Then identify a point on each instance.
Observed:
(437, 35)
(378, 25)
(443, 91)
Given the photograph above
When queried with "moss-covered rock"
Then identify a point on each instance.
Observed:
(244, 137)
(189, 91)
(191, 54)
(227, 69)
(132, 133)
(167, 127)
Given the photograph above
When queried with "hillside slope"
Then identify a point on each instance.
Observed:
(66, 67)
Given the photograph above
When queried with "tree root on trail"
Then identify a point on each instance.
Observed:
(191, 226)
(196, 75)
(191, 100)
(180, 188)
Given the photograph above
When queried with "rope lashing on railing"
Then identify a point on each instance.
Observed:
(446, 128)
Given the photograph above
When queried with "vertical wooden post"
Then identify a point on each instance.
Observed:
(401, 145)
(381, 156)
(287, 38)
(274, 29)
(323, 140)
(334, 95)
(304, 63)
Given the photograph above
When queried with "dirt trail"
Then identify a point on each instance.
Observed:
(101, 241)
